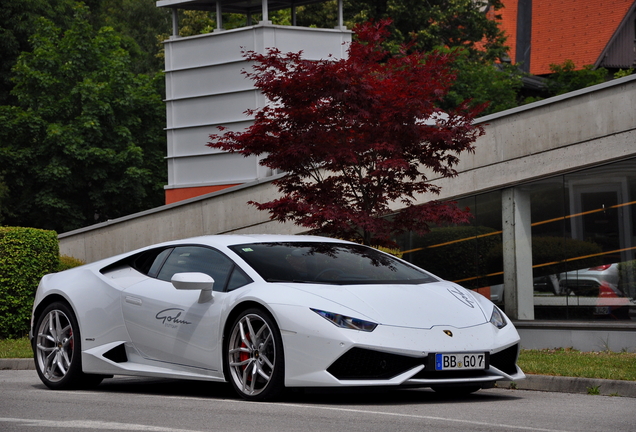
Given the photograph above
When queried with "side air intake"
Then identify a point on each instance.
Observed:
(117, 354)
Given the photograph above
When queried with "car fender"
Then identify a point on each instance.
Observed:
(83, 288)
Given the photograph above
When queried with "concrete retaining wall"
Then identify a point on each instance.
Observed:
(581, 129)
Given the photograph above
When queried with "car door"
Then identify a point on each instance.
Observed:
(173, 326)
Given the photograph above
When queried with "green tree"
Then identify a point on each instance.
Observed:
(83, 144)
(464, 26)
(495, 84)
(565, 78)
(435, 23)
(17, 21)
(138, 22)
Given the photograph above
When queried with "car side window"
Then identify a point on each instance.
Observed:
(238, 279)
(159, 260)
(204, 260)
(148, 262)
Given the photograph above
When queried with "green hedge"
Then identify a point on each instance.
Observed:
(26, 254)
(69, 262)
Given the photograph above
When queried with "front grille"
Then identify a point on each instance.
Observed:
(506, 360)
(360, 363)
(442, 375)
(364, 364)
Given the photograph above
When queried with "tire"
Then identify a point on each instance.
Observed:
(254, 359)
(57, 350)
(456, 390)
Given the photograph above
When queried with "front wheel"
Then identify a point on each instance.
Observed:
(57, 350)
(254, 356)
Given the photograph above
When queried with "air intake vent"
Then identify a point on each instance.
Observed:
(506, 360)
(117, 354)
(359, 364)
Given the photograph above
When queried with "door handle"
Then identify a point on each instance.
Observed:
(133, 300)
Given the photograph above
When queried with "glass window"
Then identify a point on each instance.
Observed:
(158, 262)
(184, 259)
(470, 255)
(147, 262)
(238, 279)
(328, 263)
(582, 243)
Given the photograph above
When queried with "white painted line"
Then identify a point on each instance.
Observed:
(89, 424)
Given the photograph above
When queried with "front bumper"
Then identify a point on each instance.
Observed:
(319, 354)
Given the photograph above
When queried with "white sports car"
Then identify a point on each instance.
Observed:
(265, 313)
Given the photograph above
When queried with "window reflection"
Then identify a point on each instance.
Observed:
(583, 245)
(470, 255)
(581, 237)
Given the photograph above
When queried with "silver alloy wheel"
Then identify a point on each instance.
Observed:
(251, 354)
(55, 345)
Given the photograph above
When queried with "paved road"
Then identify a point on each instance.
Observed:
(139, 404)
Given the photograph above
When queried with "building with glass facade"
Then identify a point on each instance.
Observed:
(581, 239)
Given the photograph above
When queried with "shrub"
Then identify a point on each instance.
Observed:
(68, 262)
(26, 254)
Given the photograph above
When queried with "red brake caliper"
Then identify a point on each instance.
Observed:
(244, 356)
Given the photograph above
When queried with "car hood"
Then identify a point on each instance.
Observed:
(415, 306)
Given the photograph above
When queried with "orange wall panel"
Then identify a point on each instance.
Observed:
(180, 194)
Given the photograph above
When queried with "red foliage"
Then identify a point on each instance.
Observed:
(355, 136)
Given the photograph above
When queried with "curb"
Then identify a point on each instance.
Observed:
(545, 383)
(560, 384)
(17, 364)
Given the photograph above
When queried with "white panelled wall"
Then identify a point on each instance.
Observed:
(206, 89)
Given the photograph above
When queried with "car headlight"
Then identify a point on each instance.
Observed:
(346, 322)
(497, 318)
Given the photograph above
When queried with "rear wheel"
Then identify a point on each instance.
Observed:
(254, 356)
(57, 350)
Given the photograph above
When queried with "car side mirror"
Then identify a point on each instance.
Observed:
(194, 281)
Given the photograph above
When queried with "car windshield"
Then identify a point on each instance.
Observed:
(329, 263)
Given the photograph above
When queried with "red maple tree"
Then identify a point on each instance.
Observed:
(356, 137)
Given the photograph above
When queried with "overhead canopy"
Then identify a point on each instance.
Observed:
(246, 7)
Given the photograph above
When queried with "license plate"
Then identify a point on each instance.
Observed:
(460, 361)
(602, 310)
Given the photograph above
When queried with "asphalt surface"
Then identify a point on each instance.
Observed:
(546, 383)
(170, 405)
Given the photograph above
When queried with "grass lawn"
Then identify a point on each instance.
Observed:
(569, 362)
(15, 348)
(562, 362)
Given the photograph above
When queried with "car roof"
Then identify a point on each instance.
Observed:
(235, 239)
(216, 241)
